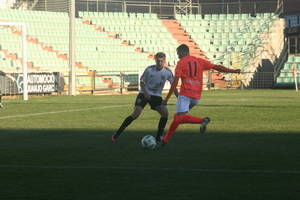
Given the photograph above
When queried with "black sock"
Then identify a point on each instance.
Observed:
(125, 123)
(161, 126)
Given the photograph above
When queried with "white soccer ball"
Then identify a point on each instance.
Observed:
(148, 142)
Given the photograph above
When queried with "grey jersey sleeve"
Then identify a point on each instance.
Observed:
(170, 76)
(144, 77)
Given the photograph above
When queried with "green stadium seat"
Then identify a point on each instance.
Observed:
(222, 16)
(214, 16)
(207, 17)
(245, 16)
(287, 66)
(230, 16)
(198, 17)
(297, 59)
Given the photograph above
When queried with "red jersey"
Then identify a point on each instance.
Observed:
(190, 70)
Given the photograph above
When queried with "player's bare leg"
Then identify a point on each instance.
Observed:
(135, 114)
(163, 111)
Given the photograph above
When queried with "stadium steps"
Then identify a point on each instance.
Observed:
(45, 47)
(11, 51)
(15, 58)
(143, 31)
(286, 76)
(235, 40)
(32, 40)
(182, 36)
(114, 36)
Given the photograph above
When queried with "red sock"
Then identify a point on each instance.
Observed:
(189, 119)
(180, 119)
(172, 129)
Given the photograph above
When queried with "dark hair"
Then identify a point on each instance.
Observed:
(183, 48)
(160, 55)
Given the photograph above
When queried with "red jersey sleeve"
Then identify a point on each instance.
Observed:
(224, 69)
(206, 64)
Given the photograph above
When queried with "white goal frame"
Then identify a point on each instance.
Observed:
(24, 55)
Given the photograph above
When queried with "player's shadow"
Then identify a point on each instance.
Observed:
(242, 106)
(94, 147)
(129, 133)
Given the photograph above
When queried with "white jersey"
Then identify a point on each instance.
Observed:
(155, 79)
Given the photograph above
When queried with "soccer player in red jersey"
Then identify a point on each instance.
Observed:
(190, 70)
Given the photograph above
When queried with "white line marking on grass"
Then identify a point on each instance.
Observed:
(62, 111)
(247, 171)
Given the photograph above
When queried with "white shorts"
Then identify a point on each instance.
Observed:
(184, 104)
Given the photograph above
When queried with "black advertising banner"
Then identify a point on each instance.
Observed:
(38, 83)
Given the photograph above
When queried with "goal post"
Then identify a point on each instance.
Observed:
(295, 73)
(72, 69)
(24, 54)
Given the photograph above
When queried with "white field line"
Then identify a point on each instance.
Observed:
(242, 171)
(61, 111)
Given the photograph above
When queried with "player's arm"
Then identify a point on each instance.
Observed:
(176, 93)
(221, 68)
(172, 90)
(208, 65)
(143, 81)
(171, 79)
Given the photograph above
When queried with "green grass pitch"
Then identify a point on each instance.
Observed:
(59, 147)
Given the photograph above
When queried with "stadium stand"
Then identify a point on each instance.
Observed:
(41, 56)
(143, 30)
(8, 61)
(117, 42)
(8, 3)
(286, 76)
(232, 40)
(95, 49)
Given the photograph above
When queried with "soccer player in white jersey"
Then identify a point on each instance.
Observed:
(152, 83)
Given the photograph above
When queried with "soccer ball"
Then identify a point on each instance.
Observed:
(148, 142)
